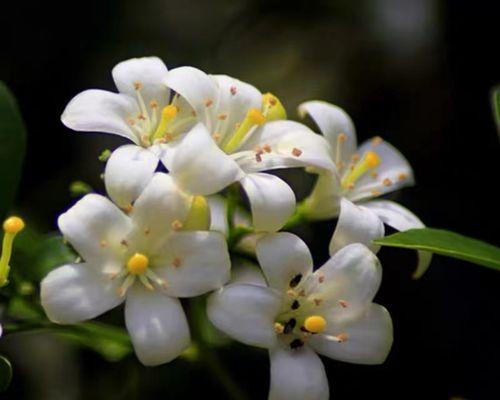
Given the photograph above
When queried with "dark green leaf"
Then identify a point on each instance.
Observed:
(111, 342)
(12, 148)
(5, 373)
(36, 255)
(495, 102)
(445, 243)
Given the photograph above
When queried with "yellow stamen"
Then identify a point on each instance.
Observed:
(11, 226)
(253, 118)
(198, 218)
(167, 115)
(272, 107)
(315, 324)
(369, 161)
(137, 264)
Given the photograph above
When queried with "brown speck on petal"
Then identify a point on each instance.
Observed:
(176, 262)
(296, 152)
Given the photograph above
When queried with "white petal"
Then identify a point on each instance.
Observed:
(235, 98)
(198, 89)
(291, 144)
(77, 292)
(101, 111)
(203, 263)
(356, 225)
(297, 375)
(199, 166)
(271, 200)
(332, 121)
(244, 271)
(128, 171)
(393, 167)
(157, 325)
(218, 214)
(149, 72)
(401, 219)
(282, 256)
(95, 227)
(160, 204)
(324, 200)
(246, 313)
(369, 338)
(353, 275)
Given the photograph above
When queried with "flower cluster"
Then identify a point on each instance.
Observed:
(156, 238)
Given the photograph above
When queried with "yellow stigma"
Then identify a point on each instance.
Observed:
(253, 118)
(272, 107)
(137, 264)
(372, 159)
(198, 218)
(168, 113)
(256, 117)
(315, 324)
(369, 161)
(13, 225)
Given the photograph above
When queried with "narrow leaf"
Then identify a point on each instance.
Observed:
(12, 148)
(5, 373)
(445, 243)
(495, 103)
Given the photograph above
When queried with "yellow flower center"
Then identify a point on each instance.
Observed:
(315, 324)
(137, 264)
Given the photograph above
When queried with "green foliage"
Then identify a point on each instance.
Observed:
(13, 139)
(36, 254)
(445, 243)
(5, 373)
(111, 342)
(495, 102)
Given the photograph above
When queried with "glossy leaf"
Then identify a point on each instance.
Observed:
(5, 373)
(495, 103)
(12, 148)
(113, 343)
(445, 243)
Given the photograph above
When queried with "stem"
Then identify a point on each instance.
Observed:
(216, 367)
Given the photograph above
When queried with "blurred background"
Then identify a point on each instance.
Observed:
(416, 72)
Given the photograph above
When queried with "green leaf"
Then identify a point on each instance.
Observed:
(5, 373)
(445, 243)
(495, 102)
(36, 254)
(12, 148)
(111, 342)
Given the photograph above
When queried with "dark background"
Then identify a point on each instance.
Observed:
(416, 72)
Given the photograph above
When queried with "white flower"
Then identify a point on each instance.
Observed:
(143, 259)
(236, 136)
(362, 173)
(299, 313)
(241, 133)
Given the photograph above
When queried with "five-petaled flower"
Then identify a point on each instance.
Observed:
(361, 174)
(295, 312)
(215, 130)
(144, 259)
